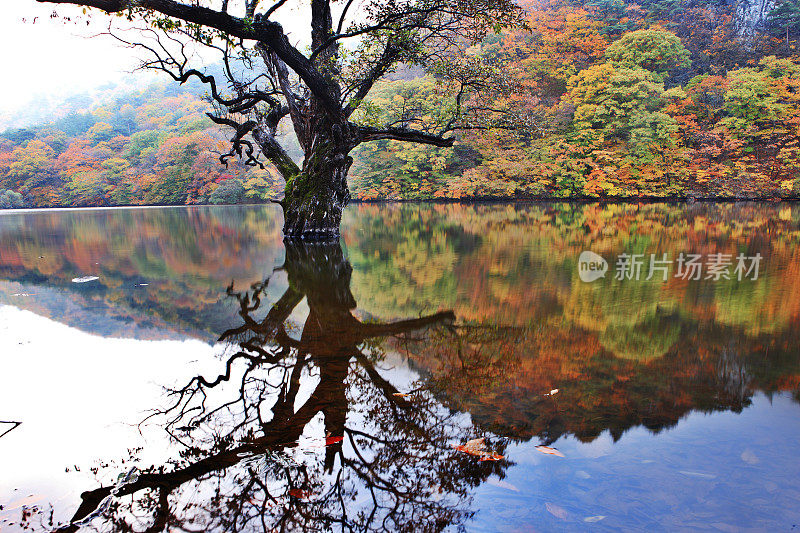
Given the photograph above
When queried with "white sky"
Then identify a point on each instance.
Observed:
(51, 57)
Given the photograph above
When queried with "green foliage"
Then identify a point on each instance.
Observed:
(784, 19)
(655, 50)
(614, 15)
(32, 162)
(75, 123)
(142, 144)
(10, 199)
(230, 191)
(622, 103)
(101, 131)
(19, 135)
(753, 101)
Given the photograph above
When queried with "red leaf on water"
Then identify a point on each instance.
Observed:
(472, 447)
(477, 447)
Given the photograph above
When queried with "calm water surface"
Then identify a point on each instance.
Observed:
(214, 379)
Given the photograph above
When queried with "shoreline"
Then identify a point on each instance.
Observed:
(475, 200)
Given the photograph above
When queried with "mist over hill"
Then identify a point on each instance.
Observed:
(611, 99)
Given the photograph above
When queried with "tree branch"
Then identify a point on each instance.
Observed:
(267, 32)
(368, 133)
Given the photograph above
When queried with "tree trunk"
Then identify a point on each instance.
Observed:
(314, 199)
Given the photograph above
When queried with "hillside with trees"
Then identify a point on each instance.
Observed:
(618, 100)
(609, 99)
(152, 146)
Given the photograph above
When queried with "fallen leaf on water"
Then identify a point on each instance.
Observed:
(555, 510)
(473, 447)
(591, 519)
(401, 395)
(502, 484)
(550, 451)
(329, 440)
(697, 474)
(299, 493)
(84, 279)
(477, 447)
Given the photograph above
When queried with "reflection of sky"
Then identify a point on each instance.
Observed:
(721, 472)
(79, 398)
(94, 317)
(78, 395)
(725, 470)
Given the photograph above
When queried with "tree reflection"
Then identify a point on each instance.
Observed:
(382, 459)
(503, 375)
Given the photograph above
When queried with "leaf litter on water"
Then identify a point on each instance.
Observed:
(477, 448)
(591, 519)
(547, 450)
(555, 510)
(84, 279)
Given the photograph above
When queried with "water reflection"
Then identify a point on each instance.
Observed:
(385, 461)
(328, 407)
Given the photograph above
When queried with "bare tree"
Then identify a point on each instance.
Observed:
(269, 79)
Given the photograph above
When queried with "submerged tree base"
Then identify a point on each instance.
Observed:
(321, 237)
(314, 199)
(315, 219)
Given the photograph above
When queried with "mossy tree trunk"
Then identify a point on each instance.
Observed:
(315, 198)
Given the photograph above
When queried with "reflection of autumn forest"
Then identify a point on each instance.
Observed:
(609, 99)
(313, 438)
(621, 353)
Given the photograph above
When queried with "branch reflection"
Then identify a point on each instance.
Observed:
(302, 434)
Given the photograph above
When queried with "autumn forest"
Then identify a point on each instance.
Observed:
(607, 99)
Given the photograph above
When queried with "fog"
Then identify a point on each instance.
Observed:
(50, 57)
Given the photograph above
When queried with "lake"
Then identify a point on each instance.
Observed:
(491, 367)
